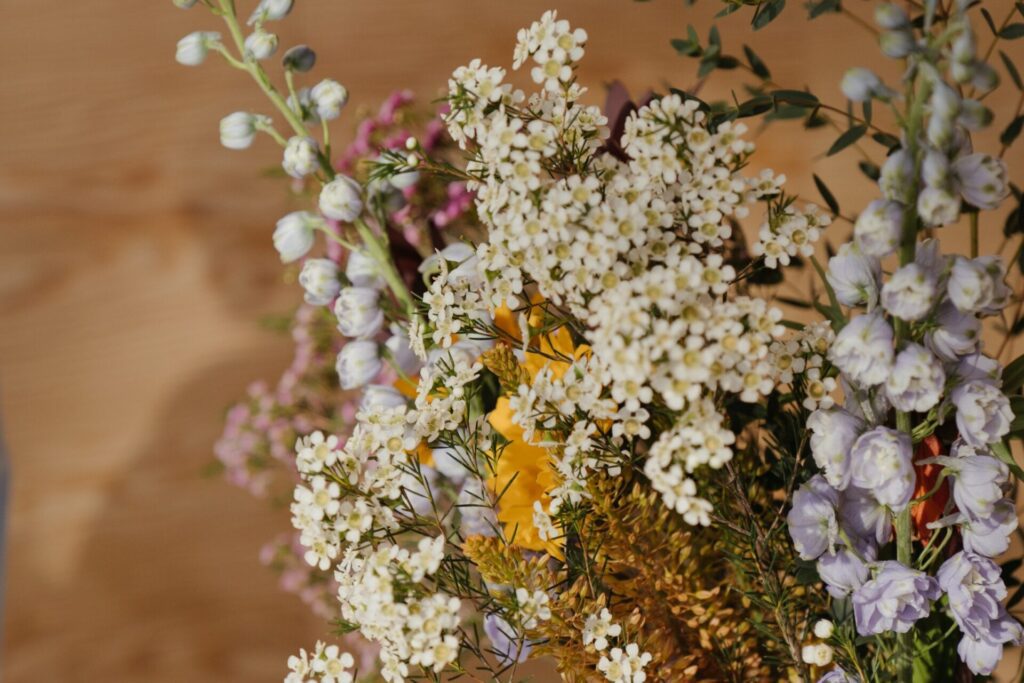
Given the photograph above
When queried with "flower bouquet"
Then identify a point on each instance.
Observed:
(549, 400)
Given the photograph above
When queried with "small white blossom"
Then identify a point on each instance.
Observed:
(319, 277)
(341, 199)
(193, 48)
(329, 98)
(358, 363)
(301, 157)
(293, 236)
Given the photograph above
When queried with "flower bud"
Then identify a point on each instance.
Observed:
(938, 206)
(878, 227)
(963, 48)
(896, 44)
(260, 44)
(823, 629)
(891, 17)
(184, 4)
(404, 179)
(300, 58)
(293, 237)
(340, 199)
(359, 315)
(982, 180)
(896, 176)
(818, 654)
(193, 48)
(961, 72)
(381, 396)
(935, 169)
(270, 10)
(238, 130)
(319, 277)
(860, 84)
(328, 98)
(301, 157)
(974, 115)
(985, 77)
(358, 363)
(363, 271)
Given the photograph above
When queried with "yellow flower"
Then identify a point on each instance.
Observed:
(524, 473)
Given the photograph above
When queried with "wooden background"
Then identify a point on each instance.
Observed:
(135, 260)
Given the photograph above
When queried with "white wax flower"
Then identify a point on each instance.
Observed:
(910, 293)
(358, 363)
(329, 98)
(261, 44)
(301, 157)
(319, 277)
(363, 271)
(982, 180)
(896, 175)
(983, 413)
(882, 465)
(341, 199)
(863, 349)
(238, 130)
(193, 48)
(860, 85)
(916, 381)
(293, 237)
(977, 285)
(270, 10)
(955, 334)
(359, 313)
(938, 206)
(878, 227)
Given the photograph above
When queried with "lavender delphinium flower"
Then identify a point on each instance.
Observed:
(812, 519)
(910, 293)
(894, 599)
(863, 349)
(975, 588)
(504, 643)
(955, 334)
(881, 464)
(837, 675)
(854, 276)
(861, 515)
(989, 536)
(978, 481)
(833, 433)
(843, 571)
(917, 380)
(983, 413)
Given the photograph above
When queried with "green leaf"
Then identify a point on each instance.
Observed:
(826, 194)
(846, 139)
(1011, 68)
(870, 170)
(1001, 451)
(755, 106)
(1012, 32)
(757, 65)
(767, 12)
(1013, 376)
(867, 111)
(799, 98)
(816, 9)
(689, 46)
(1017, 424)
(1012, 131)
(833, 312)
(886, 140)
(988, 20)
(1017, 596)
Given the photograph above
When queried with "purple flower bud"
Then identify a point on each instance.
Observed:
(990, 536)
(983, 413)
(812, 520)
(893, 600)
(842, 571)
(833, 432)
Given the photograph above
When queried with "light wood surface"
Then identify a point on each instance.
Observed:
(135, 260)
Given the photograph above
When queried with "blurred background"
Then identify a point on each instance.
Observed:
(136, 262)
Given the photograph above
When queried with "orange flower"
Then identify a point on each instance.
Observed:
(928, 510)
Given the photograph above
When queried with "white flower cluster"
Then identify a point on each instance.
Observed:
(804, 356)
(381, 591)
(631, 246)
(326, 664)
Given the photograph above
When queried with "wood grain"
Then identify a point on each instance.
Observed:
(135, 259)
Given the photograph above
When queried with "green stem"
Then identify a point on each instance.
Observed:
(974, 234)
(378, 250)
